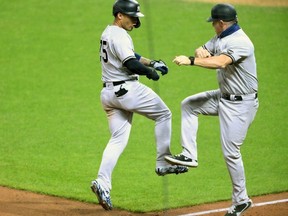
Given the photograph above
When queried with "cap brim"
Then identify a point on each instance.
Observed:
(210, 19)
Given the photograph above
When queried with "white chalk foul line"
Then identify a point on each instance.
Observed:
(225, 209)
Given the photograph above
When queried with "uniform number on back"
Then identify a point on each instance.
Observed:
(103, 51)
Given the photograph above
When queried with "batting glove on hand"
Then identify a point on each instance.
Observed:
(160, 66)
(153, 75)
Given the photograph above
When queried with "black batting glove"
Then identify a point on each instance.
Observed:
(152, 74)
(160, 66)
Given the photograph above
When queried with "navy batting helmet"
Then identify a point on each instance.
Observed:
(128, 7)
(225, 12)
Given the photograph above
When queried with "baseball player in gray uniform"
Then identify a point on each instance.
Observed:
(122, 95)
(231, 53)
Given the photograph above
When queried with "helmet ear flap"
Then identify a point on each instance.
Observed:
(138, 23)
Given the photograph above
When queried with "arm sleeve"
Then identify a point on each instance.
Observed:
(210, 47)
(238, 51)
(122, 47)
(136, 67)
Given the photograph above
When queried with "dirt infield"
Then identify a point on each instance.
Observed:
(23, 203)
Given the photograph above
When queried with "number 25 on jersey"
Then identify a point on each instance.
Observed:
(103, 51)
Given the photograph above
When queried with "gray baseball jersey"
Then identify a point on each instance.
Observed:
(117, 45)
(240, 77)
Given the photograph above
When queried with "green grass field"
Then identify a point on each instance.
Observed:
(53, 129)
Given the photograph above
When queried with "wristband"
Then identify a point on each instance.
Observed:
(138, 57)
(192, 59)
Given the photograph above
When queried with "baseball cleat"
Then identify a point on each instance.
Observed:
(175, 169)
(237, 210)
(102, 195)
(181, 160)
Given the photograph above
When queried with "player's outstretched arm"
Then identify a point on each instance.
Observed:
(138, 68)
(159, 65)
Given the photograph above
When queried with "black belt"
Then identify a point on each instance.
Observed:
(120, 82)
(115, 83)
(235, 97)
